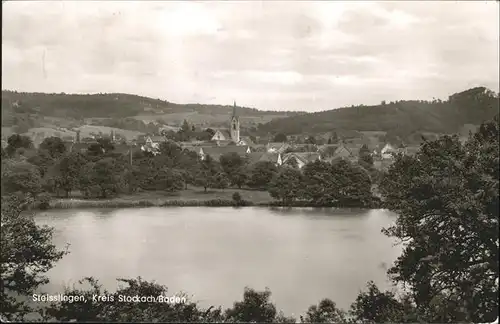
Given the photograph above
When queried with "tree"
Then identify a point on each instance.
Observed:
(286, 185)
(43, 160)
(17, 141)
(292, 163)
(103, 146)
(325, 312)
(169, 180)
(20, 177)
(116, 310)
(280, 137)
(68, 171)
(334, 138)
(365, 156)
(310, 140)
(26, 253)
(185, 126)
(171, 150)
(320, 187)
(101, 178)
(353, 184)
(255, 308)
(231, 163)
(221, 181)
(237, 198)
(210, 131)
(240, 176)
(54, 146)
(447, 199)
(132, 178)
(340, 183)
(374, 306)
(206, 174)
(261, 174)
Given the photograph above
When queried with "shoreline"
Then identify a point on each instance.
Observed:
(70, 203)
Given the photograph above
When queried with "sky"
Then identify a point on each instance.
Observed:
(272, 55)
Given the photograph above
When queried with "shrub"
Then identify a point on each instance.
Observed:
(237, 197)
(43, 201)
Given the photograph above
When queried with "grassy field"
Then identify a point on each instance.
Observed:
(39, 133)
(86, 130)
(205, 119)
(192, 195)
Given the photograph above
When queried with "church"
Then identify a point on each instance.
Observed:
(225, 136)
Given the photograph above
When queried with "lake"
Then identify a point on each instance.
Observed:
(302, 255)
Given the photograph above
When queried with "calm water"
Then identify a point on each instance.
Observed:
(302, 255)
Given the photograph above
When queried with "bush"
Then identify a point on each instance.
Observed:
(43, 201)
(236, 197)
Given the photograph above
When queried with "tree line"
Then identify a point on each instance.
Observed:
(100, 172)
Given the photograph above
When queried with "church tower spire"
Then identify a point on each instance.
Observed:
(235, 126)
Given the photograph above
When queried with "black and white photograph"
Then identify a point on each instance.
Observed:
(266, 161)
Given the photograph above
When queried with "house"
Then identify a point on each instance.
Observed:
(225, 143)
(254, 157)
(328, 150)
(354, 148)
(343, 152)
(377, 150)
(276, 147)
(301, 158)
(152, 144)
(246, 141)
(271, 157)
(217, 151)
(303, 148)
(221, 135)
(156, 139)
(153, 148)
(388, 151)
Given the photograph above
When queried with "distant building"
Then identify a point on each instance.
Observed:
(271, 157)
(301, 158)
(276, 147)
(388, 151)
(152, 144)
(233, 133)
(216, 152)
(221, 135)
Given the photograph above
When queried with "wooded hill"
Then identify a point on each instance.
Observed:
(110, 105)
(32, 110)
(400, 118)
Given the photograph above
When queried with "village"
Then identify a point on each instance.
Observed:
(230, 140)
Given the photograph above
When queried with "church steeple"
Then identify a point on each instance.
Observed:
(235, 126)
(234, 109)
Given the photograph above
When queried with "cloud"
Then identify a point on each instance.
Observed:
(269, 55)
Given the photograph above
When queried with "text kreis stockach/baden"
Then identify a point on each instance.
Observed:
(109, 298)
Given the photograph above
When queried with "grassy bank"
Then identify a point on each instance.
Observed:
(190, 197)
(193, 197)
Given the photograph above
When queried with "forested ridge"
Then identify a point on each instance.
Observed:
(400, 118)
(107, 105)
